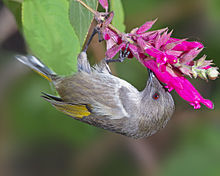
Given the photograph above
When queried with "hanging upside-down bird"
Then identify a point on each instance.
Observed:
(94, 96)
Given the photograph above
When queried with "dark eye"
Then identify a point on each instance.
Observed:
(156, 96)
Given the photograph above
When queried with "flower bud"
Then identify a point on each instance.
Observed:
(202, 74)
(212, 73)
(194, 73)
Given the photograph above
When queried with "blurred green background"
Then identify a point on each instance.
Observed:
(35, 139)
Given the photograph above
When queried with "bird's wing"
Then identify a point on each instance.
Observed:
(74, 110)
(101, 91)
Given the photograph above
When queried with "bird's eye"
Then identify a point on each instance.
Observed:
(156, 96)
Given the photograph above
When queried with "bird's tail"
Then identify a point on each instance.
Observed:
(37, 66)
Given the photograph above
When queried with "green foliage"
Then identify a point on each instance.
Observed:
(214, 9)
(49, 34)
(198, 153)
(118, 20)
(81, 18)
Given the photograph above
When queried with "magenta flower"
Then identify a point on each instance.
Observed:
(169, 58)
(118, 42)
(167, 50)
(182, 86)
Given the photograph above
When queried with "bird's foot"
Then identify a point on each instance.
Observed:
(122, 56)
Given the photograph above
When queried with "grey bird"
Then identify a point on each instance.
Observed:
(94, 96)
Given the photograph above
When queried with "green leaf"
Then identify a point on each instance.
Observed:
(15, 8)
(81, 18)
(49, 35)
(118, 20)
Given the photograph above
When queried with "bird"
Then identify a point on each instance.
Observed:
(95, 96)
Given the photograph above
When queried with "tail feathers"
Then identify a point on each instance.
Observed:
(36, 65)
(51, 97)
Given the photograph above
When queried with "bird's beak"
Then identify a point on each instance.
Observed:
(152, 77)
(151, 74)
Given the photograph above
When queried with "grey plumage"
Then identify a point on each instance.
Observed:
(113, 103)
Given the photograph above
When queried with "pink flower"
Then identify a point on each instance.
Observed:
(130, 39)
(169, 58)
(182, 86)
(185, 45)
(145, 27)
(104, 4)
(167, 50)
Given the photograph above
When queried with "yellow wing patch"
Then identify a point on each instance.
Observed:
(78, 111)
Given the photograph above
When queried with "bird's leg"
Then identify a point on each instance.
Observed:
(90, 39)
(99, 35)
(82, 60)
(83, 63)
(122, 56)
(94, 32)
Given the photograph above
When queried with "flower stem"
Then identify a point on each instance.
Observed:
(97, 14)
(86, 6)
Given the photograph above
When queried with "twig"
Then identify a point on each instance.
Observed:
(97, 14)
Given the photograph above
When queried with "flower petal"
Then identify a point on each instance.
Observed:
(190, 55)
(143, 44)
(187, 46)
(171, 59)
(111, 37)
(135, 51)
(174, 53)
(109, 19)
(104, 4)
(152, 34)
(172, 43)
(157, 54)
(146, 26)
(110, 53)
(165, 37)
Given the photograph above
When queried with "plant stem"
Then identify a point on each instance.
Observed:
(86, 6)
(97, 14)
